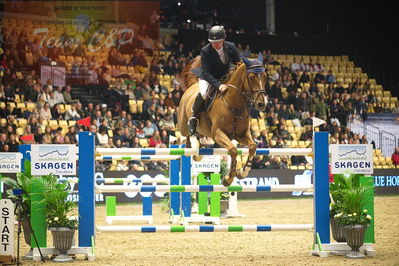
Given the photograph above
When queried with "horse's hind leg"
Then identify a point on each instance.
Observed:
(188, 142)
(223, 140)
(247, 141)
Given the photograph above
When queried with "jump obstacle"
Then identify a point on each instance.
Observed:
(213, 216)
(87, 189)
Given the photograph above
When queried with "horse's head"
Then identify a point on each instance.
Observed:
(254, 87)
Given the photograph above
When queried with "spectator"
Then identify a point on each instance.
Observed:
(304, 102)
(330, 78)
(58, 136)
(5, 148)
(56, 112)
(92, 81)
(38, 135)
(3, 140)
(71, 113)
(67, 96)
(118, 136)
(59, 96)
(167, 123)
(295, 66)
(305, 77)
(148, 130)
(45, 112)
(72, 135)
(155, 140)
(395, 157)
(320, 78)
(298, 160)
(103, 137)
(247, 51)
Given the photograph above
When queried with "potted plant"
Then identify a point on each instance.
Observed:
(60, 220)
(340, 183)
(224, 201)
(354, 218)
(23, 182)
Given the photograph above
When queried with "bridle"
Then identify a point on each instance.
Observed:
(252, 96)
(249, 95)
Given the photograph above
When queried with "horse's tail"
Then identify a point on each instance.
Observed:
(188, 77)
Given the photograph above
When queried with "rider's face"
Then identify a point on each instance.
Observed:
(217, 45)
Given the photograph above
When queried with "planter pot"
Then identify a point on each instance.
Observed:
(224, 205)
(62, 241)
(338, 232)
(27, 235)
(355, 238)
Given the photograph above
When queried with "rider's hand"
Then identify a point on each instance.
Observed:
(222, 88)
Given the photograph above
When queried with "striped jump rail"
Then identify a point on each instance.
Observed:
(120, 180)
(204, 228)
(202, 151)
(202, 188)
(138, 157)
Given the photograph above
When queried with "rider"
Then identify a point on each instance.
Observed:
(217, 57)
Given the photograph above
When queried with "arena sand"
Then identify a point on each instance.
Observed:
(270, 248)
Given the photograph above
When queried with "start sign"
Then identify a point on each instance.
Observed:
(7, 227)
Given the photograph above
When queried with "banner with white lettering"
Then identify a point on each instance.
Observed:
(208, 164)
(55, 159)
(10, 162)
(351, 158)
(7, 227)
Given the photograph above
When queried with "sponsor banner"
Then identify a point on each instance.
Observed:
(351, 159)
(53, 159)
(10, 162)
(208, 164)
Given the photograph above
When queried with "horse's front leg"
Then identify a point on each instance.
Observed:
(223, 140)
(247, 141)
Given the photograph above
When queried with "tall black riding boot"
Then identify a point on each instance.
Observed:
(197, 109)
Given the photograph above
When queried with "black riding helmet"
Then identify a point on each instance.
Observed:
(216, 34)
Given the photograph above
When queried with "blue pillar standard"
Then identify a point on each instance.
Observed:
(321, 186)
(186, 180)
(86, 188)
(174, 172)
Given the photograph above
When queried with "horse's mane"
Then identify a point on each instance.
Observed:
(189, 78)
(228, 75)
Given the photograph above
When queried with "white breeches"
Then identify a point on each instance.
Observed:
(203, 87)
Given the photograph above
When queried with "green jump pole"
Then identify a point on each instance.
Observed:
(202, 196)
(215, 196)
(110, 204)
(368, 181)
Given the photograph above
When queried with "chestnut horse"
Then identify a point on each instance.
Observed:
(228, 117)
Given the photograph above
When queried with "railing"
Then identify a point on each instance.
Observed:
(388, 142)
(383, 140)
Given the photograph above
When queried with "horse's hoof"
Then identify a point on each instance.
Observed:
(241, 174)
(226, 182)
(198, 158)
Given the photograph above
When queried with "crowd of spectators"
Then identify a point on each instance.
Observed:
(137, 76)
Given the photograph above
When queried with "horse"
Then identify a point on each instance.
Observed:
(228, 117)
